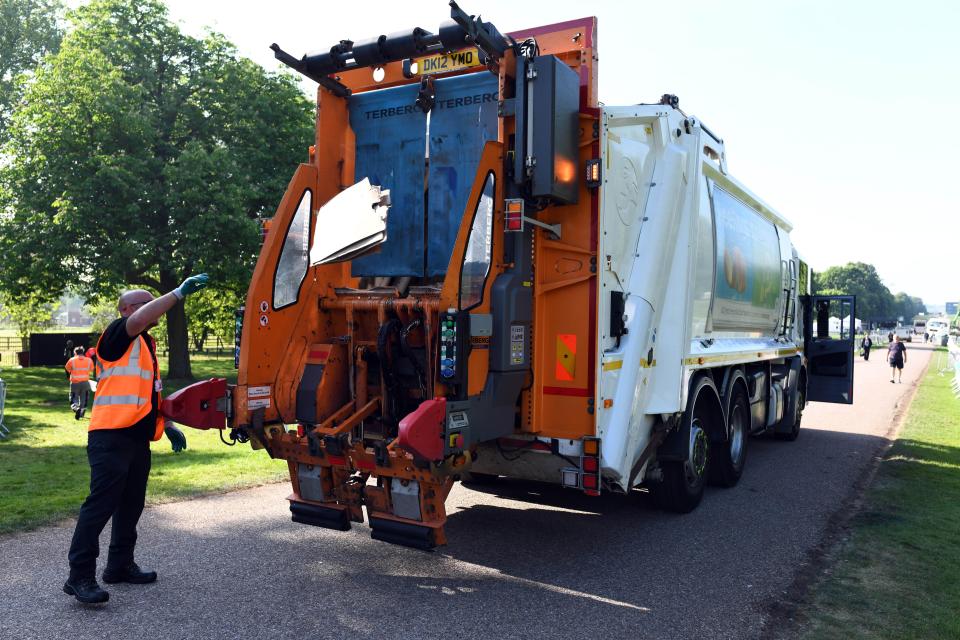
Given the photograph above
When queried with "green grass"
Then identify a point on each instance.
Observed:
(44, 474)
(897, 575)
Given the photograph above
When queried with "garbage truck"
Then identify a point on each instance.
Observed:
(483, 271)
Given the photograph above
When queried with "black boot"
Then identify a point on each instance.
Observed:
(130, 573)
(85, 590)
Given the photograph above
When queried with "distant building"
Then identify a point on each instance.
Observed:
(951, 308)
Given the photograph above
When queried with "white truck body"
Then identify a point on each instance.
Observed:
(712, 285)
(659, 244)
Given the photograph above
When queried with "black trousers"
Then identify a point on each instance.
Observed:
(119, 468)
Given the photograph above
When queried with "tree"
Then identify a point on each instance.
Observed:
(906, 306)
(142, 155)
(29, 313)
(29, 29)
(212, 313)
(874, 300)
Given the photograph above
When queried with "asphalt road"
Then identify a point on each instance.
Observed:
(524, 560)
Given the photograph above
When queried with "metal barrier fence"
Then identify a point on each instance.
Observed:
(9, 346)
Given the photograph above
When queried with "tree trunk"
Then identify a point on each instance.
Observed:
(178, 359)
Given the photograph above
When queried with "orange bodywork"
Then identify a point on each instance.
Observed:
(335, 323)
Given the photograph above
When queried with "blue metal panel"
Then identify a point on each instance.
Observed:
(463, 119)
(391, 142)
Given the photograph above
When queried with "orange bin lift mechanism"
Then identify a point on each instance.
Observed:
(340, 347)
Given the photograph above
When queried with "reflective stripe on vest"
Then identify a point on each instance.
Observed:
(124, 390)
(79, 368)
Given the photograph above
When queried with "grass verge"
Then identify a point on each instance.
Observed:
(44, 474)
(896, 574)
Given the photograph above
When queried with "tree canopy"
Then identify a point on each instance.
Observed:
(141, 155)
(29, 29)
(874, 300)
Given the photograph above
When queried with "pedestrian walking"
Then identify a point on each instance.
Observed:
(897, 357)
(865, 344)
(125, 419)
(79, 368)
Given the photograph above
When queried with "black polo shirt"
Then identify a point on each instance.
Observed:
(113, 344)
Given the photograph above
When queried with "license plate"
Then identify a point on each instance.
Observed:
(447, 62)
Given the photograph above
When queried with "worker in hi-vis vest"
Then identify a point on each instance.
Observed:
(126, 417)
(79, 368)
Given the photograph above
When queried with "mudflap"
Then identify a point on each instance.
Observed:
(319, 516)
(406, 534)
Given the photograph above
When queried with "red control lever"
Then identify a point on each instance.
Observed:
(421, 432)
(202, 405)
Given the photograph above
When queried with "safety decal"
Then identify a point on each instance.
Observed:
(566, 356)
(517, 352)
(255, 392)
(264, 320)
(264, 306)
(258, 403)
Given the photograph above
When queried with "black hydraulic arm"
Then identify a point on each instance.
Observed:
(462, 30)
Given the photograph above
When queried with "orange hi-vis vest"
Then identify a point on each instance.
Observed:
(79, 368)
(124, 389)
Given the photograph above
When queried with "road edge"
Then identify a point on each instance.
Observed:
(780, 613)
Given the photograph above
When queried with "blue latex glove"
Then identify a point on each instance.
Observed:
(191, 285)
(178, 441)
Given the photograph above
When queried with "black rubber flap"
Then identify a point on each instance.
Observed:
(408, 535)
(320, 516)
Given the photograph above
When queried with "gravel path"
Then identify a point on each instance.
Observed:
(524, 560)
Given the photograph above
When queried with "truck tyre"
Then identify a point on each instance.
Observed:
(791, 434)
(681, 488)
(729, 458)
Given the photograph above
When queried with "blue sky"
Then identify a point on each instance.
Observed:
(844, 116)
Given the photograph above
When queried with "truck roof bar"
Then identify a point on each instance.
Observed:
(462, 30)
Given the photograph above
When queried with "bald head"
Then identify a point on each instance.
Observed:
(132, 300)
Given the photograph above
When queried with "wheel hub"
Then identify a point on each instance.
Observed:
(736, 433)
(696, 464)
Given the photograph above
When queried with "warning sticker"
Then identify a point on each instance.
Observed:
(253, 392)
(566, 356)
(517, 352)
(258, 403)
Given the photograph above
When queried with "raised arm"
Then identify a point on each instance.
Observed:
(150, 312)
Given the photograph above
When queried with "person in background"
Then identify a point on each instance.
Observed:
(92, 354)
(897, 357)
(79, 368)
(865, 344)
(67, 354)
(126, 417)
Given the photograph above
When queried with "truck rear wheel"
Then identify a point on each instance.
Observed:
(791, 434)
(681, 488)
(729, 457)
